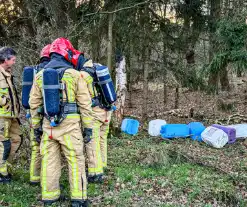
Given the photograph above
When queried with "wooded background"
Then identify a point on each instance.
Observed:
(185, 61)
(199, 45)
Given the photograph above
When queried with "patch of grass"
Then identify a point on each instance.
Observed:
(19, 192)
(142, 171)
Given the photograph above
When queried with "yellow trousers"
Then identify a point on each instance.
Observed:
(35, 164)
(66, 138)
(10, 141)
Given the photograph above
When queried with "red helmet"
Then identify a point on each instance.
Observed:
(62, 46)
(45, 52)
(75, 57)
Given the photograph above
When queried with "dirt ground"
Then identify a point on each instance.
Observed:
(208, 108)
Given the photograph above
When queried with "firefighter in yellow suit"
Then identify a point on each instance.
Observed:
(96, 149)
(10, 133)
(35, 135)
(67, 136)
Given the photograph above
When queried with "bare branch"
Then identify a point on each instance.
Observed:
(121, 9)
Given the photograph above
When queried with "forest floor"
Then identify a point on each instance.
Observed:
(149, 171)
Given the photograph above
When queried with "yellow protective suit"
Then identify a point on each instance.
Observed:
(66, 137)
(10, 133)
(97, 148)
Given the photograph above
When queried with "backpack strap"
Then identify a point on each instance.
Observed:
(91, 71)
(105, 82)
(16, 94)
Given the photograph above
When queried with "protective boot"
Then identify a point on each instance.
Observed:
(5, 179)
(34, 183)
(49, 203)
(83, 203)
(62, 198)
(95, 179)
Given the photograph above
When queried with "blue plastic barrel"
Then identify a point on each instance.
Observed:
(196, 129)
(170, 131)
(130, 126)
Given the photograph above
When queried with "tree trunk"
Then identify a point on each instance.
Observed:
(164, 69)
(226, 7)
(145, 67)
(239, 72)
(3, 36)
(121, 87)
(109, 46)
(130, 75)
(144, 22)
(73, 14)
(58, 11)
(163, 26)
(176, 102)
(95, 42)
(224, 80)
(128, 70)
(22, 5)
(214, 16)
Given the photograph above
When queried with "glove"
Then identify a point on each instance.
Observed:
(6, 105)
(87, 135)
(40, 110)
(38, 134)
(7, 149)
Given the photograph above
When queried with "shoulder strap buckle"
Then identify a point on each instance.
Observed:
(62, 86)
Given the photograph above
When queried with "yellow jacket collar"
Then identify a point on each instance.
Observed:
(4, 72)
